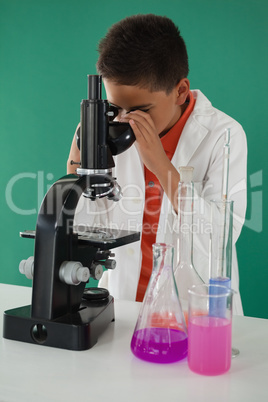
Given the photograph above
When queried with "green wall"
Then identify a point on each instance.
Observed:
(47, 48)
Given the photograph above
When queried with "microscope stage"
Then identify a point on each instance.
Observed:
(105, 238)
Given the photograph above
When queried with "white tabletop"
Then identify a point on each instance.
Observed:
(110, 372)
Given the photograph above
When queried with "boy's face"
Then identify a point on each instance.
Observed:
(164, 109)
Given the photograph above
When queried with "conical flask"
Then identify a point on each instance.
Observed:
(185, 273)
(160, 334)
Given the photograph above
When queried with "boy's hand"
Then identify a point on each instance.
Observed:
(147, 140)
(152, 153)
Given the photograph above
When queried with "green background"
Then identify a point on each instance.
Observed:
(48, 47)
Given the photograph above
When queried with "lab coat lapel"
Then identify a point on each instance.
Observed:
(193, 132)
(191, 137)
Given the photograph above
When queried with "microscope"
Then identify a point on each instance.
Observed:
(65, 313)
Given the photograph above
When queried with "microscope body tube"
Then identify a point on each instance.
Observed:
(95, 153)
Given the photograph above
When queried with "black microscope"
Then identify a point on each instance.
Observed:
(64, 313)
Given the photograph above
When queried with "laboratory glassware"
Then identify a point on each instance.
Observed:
(226, 161)
(185, 273)
(221, 246)
(210, 332)
(221, 242)
(160, 335)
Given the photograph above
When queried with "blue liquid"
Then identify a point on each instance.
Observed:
(221, 281)
(217, 305)
(159, 345)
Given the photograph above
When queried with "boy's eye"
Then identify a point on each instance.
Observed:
(115, 111)
(142, 110)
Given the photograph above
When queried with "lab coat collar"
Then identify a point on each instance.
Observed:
(194, 130)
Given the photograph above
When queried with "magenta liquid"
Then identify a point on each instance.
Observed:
(159, 345)
(209, 345)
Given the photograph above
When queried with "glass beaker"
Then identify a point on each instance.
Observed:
(160, 335)
(210, 329)
(185, 273)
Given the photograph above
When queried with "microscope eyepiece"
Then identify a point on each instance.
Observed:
(94, 87)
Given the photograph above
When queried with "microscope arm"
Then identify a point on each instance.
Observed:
(54, 244)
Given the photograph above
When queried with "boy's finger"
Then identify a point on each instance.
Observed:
(139, 131)
(140, 116)
(143, 120)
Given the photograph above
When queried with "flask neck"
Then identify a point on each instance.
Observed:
(185, 221)
(162, 276)
(162, 257)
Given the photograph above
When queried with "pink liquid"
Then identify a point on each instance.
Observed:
(210, 345)
(159, 345)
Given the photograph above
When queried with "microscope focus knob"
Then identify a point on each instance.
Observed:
(96, 270)
(73, 273)
(26, 267)
(110, 264)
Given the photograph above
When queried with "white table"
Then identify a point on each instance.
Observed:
(110, 372)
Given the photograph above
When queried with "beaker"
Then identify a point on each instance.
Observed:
(185, 273)
(210, 332)
(160, 335)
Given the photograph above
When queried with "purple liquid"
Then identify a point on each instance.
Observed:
(159, 345)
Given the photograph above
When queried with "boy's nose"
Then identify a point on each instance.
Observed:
(122, 114)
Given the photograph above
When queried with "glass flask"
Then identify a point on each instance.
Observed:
(185, 273)
(160, 335)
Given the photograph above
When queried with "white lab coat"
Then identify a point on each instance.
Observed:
(201, 146)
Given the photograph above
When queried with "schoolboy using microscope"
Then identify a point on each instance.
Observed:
(144, 65)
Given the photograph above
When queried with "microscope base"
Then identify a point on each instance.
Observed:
(74, 331)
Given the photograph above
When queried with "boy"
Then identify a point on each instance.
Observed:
(144, 65)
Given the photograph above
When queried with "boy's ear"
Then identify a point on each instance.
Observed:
(182, 91)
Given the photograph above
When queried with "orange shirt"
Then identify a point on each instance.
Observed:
(153, 199)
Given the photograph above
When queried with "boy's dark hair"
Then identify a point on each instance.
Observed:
(144, 50)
